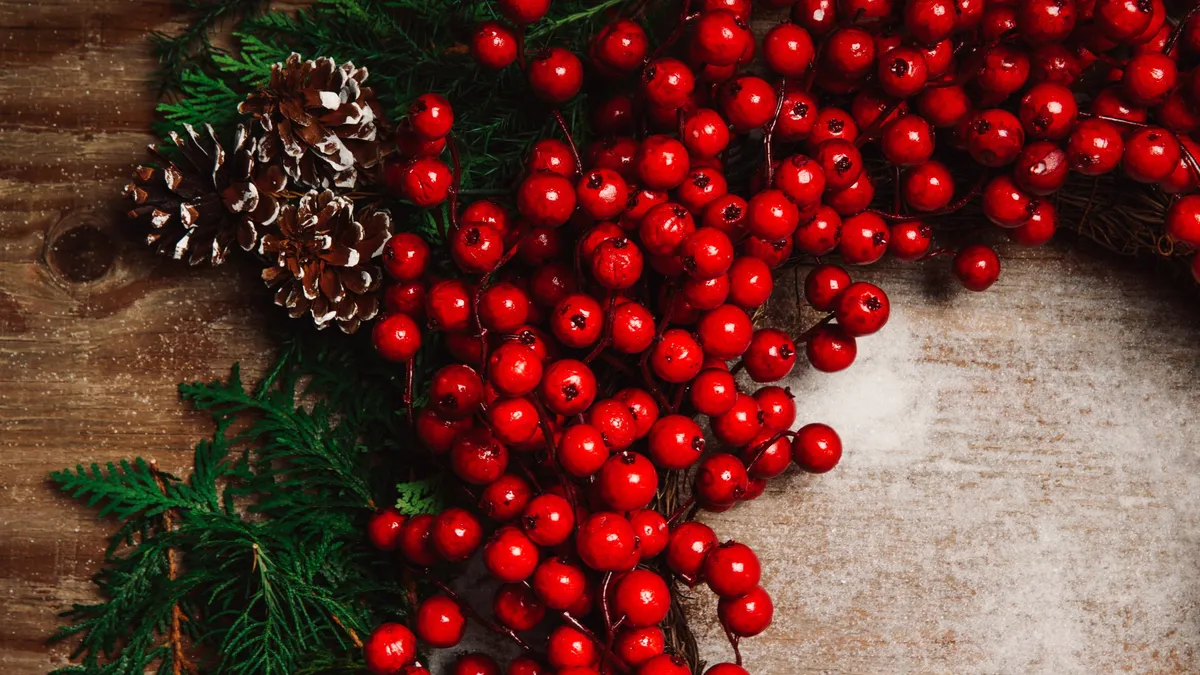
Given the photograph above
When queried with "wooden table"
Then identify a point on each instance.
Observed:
(1020, 487)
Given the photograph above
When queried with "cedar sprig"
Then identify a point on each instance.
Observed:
(274, 575)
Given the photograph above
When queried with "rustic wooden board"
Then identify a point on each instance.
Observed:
(1020, 487)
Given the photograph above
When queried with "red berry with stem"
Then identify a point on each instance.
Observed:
(688, 547)
(910, 240)
(416, 541)
(907, 141)
(582, 450)
(863, 309)
(707, 293)
(1041, 22)
(928, 187)
(720, 479)
(740, 424)
(719, 38)
(517, 607)
(384, 529)
(732, 570)
(1040, 227)
(1005, 204)
(475, 664)
(766, 458)
(391, 647)
(778, 406)
(553, 156)
(797, 116)
(493, 45)
(748, 102)
(819, 17)
(725, 332)
(864, 239)
(643, 598)
(643, 408)
(747, 615)
(662, 162)
(1048, 112)
(675, 442)
(902, 72)
(821, 235)
(1041, 168)
(677, 357)
(1183, 220)
(620, 46)
(772, 215)
(396, 337)
(830, 349)
(770, 356)
(440, 622)
(548, 520)
(546, 199)
(816, 448)
(617, 264)
(977, 267)
(555, 75)
(558, 583)
(431, 116)
(510, 556)
(713, 392)
(930, 21)
(606, 542)
(627, 481)
(651, 529)
(568, 387)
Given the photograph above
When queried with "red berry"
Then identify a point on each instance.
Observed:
(864, 239)
(601, 194)
(546, 199)
(707, 293)
(850, 53)
(606, 542)
(688, 547)
(627, 481)
(431, 116)
(570, 648)
(830, 349)
(724, 332)
(405, 298)
(977, 267)
(1005, 71)
(928, 187)
(505, 498)
(748, 102)
(548, 520)
(643, 408)
(406, 257)
(632, 330)
(477, 458)
(788, 50)
(1123, 20)
(944, 107)
(677, 357)
(726, 669)
(493, 45)
(748, 615)
(662, 162)
(510, 556)
(643, 598)
(910, 240)
(568, 387)
(1095, 147)
(615, 422)
(701, 186)
(1005, 204)
(651, 529)
(523, 12)
(582, 450)
(558, 583)
(665, 664)
(862, 309)
(740, 424)
(750, 283)
(1045, 21)
(620, 46)
(1040, 227)
(476, 250)
(705, 133)
(778, 407)
(841, 161)
(517, 607)
(503, 307)
(902, 72)
(555, 75)
(817, 448)
(675, 442)
(713, 392)
(907, 141)
(732, 570)
(1041, 168)
(929, 21)
(817, 16)
(995, 137)
(668, 83)
(396, 337)
(720, 479)
(770, 356)
(636, 646)
(1183, 220)
(384, 529)
(1048, 112)
(426, 182)
(1151, 155)
(455, 391)
(821, 235)
(554, 156)
(772, 215)
(797, 116)
(391, 647)
(440, 622)
(475, 664)
(802, 180)
(416, 541)
(577, 321)
(766, 458)
(457, 534)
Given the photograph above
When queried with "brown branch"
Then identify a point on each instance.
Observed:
(179, 661)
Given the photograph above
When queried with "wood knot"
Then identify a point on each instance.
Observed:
(81, 253)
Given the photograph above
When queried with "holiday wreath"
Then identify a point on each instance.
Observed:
(543, 230)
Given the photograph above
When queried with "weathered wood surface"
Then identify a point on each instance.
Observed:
(1019, 493)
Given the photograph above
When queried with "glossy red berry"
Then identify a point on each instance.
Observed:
(406, 257)
(510, 556)
(440, 622)
(688, 547)
(546, 199)
(391, 647)
(568, 387)
(1123, 20)
(477, 458)
(548, 520)
(830, 349)
(475, 664)
(582, 450)
(778, 407)
(817, 448)
(713, 392)
(724, 332)
(750, 282)
(740, 424)
(643, 408)
(747, 615)
(910, 240)
(627, 481)
(1040, 227)
(995, 137)
(849, 53)
(416, 541)
(662, 162)
(944, 107)
(632, 329)
(720, 479)
(675, 442)
(676, 357)
(748, 102)
(493, 45)
(431, 116)
(705, 133)
(620, 46)
(601, 194)
(706, 253)
(384, 529)
(702, 186)
(1041, 168)
(476, 249)
(977, 267)
(558, 583)
(652, 531)
(517, 607)
(426, 182)
(636, 646)
(396, 337)
(1151, 155)
(841, 162)
(1005, 204)
(772, 215)
(1183, 220)
(788, 50)
(570, 648)
(1048, 112)
(643, 598)
(726, 669)
(615, 423)
(505, 498)
(929, 21)
(665, 664)
(864, 239)
(770, 356)
(902, 72)
(457, 534)
(928, 187)
(1095, 147)
(555, 75)
(907, 141)
(732, 569)
(821, 234)
(455, 391)
(862, 309)
(766, 456)
(606, 542)
(577, 321)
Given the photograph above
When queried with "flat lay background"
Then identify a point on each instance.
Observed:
(1021, 486)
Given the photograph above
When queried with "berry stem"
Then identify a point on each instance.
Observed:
(552, 451)
(735, 643)
(769, 130)
(1179, 28)
(605, 586)
(575, 623)
(562, 124)
(180, 662)
(456, 163)
(870, 132)
(683, 508)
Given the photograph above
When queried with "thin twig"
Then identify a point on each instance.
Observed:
(179, 661)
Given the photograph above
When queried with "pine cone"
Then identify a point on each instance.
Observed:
(319, 120)
(324, 260)
(198, 207)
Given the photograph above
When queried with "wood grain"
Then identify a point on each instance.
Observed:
(1020, 489)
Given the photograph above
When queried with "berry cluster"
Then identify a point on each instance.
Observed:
(589, 330)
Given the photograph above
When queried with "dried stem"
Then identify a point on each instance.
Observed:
(179, 661)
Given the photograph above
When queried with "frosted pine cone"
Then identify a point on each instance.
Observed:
(324, 260)
(197, 207)
(318, 120)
